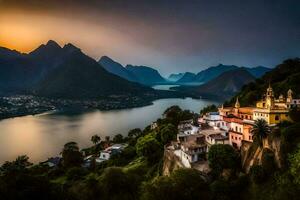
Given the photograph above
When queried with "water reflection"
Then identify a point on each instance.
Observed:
(43, 136)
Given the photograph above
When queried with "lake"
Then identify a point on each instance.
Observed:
(44, 135)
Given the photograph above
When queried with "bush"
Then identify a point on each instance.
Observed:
(76, 173)
(149, 148)
(257, 174)
(222, 157)
(181, 184)
(268, 161)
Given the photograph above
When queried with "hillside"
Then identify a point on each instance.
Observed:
(212, 72)
(222, 87)
(79, 76)
(65, 72)
(283, 77)
(116, 68)
(146, 75)
(188, 77)
(175, 77)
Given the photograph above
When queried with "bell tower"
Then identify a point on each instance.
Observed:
(289, 96)
(269, 97)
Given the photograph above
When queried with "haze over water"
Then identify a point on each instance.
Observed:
(43, 136)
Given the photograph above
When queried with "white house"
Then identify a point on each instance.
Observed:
(106, 154)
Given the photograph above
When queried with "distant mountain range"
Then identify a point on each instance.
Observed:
(53, 71)
(141, 74)
(223, 86)
(66, 72)
(175, 77)
(214, 71)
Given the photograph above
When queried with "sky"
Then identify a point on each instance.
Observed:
(170, 35)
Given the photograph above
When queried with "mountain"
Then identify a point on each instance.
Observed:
(188, 77)
(283, 77)
(212, 72)
(116, 68)
(79, 76)
(17, 71)
(53, 71)
(146, 75)
(258, 71)
(223, 87)
(175, 77)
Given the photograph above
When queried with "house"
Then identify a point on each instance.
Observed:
(187, 128)
(214, 136)
(108, 152)
(212, 119)
(192, 151)
(53, 162)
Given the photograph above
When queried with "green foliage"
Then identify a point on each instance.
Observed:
(295, 114)
(149, 148)
(221, 189)
(257, 174)
(118, 138)
(76, 173)
(295, 166)
(95, 139)
(268, 161)
(123, 158)
(222, 157)
(181, 184)
(209, 108)
(167, 133)
(117, 184)
(71, 155)
(174, 115)
(283, 77)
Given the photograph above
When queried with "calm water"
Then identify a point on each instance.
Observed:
(43, 136)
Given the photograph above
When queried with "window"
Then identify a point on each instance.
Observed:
(231, 137)
(276, 117)
(249, 137)
(235, 138)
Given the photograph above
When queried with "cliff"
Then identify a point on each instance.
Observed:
(253, 154)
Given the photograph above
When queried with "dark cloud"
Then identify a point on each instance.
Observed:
(180, 34)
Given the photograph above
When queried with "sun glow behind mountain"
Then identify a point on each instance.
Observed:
(170, 37)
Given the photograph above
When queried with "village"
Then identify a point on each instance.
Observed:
(230, 125)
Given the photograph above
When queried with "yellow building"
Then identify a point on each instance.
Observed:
(271, 109)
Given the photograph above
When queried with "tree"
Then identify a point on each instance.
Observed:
(117, 184)
(168, 133)
(295, 114)
(72, 157)
(20, 164)
(134, 133)
(149, 148)
(260, 131)
(95, 139)
(295, 166)
(181, 184)
(118, 138)
(209, 108)
(222, 156)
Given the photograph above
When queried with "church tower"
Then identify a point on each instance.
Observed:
(236, 107)
(269, 98)
(289, 96)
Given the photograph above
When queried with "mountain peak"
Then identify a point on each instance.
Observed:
(52, 43)
(105, 58)
(71, 48)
